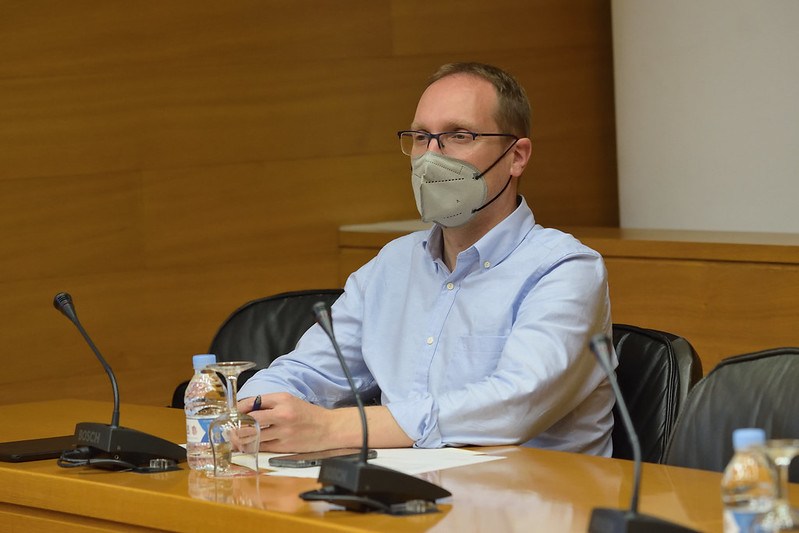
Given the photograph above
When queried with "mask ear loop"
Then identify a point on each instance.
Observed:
(483, 173)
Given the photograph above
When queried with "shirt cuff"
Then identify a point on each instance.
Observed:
(418, 418)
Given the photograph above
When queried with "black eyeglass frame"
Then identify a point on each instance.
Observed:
(437, 136)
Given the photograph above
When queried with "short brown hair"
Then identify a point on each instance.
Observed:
(513, 107)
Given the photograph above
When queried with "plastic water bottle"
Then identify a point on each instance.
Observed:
(203, 402)
(747, 486)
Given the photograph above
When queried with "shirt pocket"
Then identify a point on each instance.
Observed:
(474, 359)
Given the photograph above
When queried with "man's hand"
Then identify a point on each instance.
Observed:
(291, 425)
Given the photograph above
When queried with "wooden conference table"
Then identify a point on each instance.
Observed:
(530, 490)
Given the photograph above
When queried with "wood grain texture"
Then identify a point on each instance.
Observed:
(166, 162)
(528, 486)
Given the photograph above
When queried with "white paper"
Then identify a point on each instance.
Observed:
(413, 461)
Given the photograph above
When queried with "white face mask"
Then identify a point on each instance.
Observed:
(449, 191)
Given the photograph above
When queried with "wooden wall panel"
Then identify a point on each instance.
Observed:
(48, 37)
(272, 209)
(165, 162)
(147, 324)
(724, 308)
(82, 225)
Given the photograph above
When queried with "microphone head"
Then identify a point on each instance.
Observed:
(320, 308)
(600, 339)
(63, 302)
(321, 313)
(600, 346)
(62, 299)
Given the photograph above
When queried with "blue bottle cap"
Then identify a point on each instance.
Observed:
(202, 360)
(743, 438)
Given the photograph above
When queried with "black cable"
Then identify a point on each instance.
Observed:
(82, 456)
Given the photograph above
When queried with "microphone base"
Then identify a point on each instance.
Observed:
(621, 521)
(111, 446)
(365, 487)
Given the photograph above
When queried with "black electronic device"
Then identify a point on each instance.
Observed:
(605, 520)
(111, 446)
(358, 485)
(19, 451)
(309, 459)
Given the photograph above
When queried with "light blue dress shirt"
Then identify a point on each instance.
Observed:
(493, 353)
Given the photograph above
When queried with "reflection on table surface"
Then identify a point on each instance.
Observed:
(548, 489)
(529, 490)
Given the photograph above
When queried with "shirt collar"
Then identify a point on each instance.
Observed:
(495, 245)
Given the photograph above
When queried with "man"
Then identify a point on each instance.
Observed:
(473, 333)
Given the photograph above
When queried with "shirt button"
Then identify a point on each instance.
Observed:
(487, 264)
(450, 286)
(429, 340)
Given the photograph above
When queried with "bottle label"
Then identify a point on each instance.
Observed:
(738, 522)
(197, 429)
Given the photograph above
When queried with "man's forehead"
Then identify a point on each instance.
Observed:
(456, 102)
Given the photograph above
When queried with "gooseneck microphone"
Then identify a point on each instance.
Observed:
(604, 520)
(110, 446)
(322, 315)
(63, 302)
(358, 485)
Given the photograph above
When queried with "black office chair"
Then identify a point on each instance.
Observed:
(758, 389)
(656, 370)
(262, 330)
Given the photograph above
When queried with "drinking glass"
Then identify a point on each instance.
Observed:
(782, 517)
(235, 437)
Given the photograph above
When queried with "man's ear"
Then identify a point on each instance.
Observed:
(521, 155)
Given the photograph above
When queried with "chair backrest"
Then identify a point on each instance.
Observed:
(656, 370)
(262, 330)
(759, 389)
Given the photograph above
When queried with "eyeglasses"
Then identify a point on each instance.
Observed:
(415, 143)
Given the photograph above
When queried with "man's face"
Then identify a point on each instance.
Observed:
(465, 102)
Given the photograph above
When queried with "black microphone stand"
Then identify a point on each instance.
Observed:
(358, 485)
(110, 446)
(604, 520)
(63, 302)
